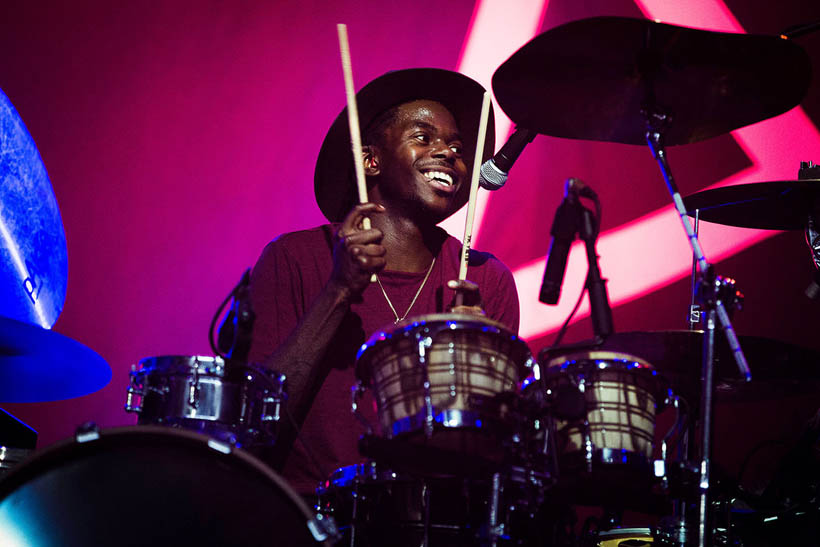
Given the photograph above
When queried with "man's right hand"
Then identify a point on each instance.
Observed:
(357, 253)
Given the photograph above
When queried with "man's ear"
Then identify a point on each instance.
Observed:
(370, 157)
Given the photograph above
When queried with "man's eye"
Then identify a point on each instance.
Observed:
(456, 148)
(422, 137)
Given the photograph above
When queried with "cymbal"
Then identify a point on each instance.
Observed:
(33, 255)
(778, 205)
(589, 79)
(38, 364)
(778, 369)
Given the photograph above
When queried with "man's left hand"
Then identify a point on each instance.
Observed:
(468, 297)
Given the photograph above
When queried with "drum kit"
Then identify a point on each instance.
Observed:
(478, 442)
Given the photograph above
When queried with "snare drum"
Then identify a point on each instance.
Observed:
(437, 378)
(199, 394)
(153, 486)
(620, 392)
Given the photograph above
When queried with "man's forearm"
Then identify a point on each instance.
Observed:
(300, 356)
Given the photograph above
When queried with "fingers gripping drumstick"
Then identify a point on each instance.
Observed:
(479, 154)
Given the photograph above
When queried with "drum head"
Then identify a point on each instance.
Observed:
(149, 486)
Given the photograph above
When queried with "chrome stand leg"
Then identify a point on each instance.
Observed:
(496, 529)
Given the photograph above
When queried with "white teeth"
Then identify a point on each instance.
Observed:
(438, 176)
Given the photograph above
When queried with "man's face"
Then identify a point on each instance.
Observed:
(420, 162)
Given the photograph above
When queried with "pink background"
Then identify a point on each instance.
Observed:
(181, 136)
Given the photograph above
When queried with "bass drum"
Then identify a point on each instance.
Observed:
(151, 486)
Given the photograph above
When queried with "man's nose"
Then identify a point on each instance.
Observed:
(442, 149)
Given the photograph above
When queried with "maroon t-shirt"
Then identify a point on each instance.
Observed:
(285, 281)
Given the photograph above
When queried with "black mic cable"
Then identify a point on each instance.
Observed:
(237, 324)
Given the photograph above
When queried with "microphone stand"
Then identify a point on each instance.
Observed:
(716, 294)
(233, 341)
(600, 310)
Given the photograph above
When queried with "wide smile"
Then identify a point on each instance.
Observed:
(441, 180)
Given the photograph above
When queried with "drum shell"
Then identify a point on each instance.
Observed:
(373, 507)
(197, 393)
(467, 359)
(149, 486)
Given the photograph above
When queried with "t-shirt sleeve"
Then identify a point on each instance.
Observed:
(500, 295)
(276, 297)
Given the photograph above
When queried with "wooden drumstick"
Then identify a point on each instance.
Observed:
(353, 117)
(353, 121)
(479, 155)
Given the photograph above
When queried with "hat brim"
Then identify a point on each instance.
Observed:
(334, 179)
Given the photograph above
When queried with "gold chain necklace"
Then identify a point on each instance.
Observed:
(418, 292)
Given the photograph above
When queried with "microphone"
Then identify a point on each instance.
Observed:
(234, 336)
(564, 227)
(494, 171)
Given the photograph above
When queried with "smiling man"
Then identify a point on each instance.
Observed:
(312, 290)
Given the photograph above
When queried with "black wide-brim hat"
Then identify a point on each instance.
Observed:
(334, 180)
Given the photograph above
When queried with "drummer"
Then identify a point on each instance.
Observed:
(312, 290)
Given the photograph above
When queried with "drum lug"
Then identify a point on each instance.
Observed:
(356, 393)
(219, 446)
(131, 394)
(89, 431)
(589, 446)
(193, 389)
(268, 416)
(425, 342)
(134, 391)
(244, 400)
(274, 396)
(323, 528)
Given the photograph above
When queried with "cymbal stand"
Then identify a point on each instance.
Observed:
(716, 294)
(694, 308)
